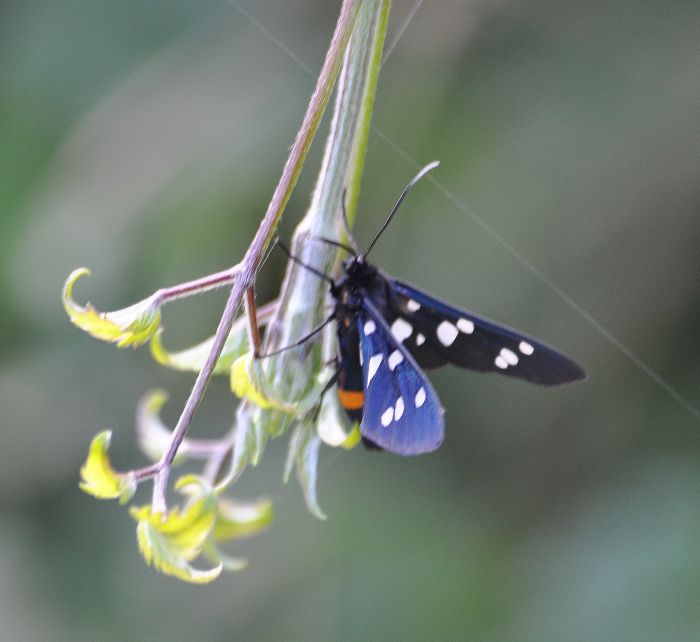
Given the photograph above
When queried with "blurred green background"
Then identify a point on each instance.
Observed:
(144, 139)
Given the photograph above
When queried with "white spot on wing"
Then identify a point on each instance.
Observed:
(526, 348)
(370, 327)
(401, 329)
(420, 397)
(374, 363)
(362, 359)
(465, 325)
(447, 333)
(501, 362)
(420, 339)
(388, 416)
(398, 410)
(412, 306)
(509, 356)
(395, 358)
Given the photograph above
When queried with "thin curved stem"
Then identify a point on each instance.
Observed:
(245, 278)
(198, 286)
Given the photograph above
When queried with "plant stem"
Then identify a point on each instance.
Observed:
(294, 376)
(253, 329)
(253, 257)
(303, 293)
(198, 286)
(364, 119)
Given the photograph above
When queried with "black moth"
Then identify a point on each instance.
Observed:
(389, 332)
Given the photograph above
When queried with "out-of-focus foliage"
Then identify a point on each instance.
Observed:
(144, 139)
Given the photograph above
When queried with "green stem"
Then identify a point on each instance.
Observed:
(303, 294)
(197, 286)
(359, 151)
(290, 377)
(253, 258)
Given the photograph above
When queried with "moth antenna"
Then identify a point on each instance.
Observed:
(298, 261)
(334, 243)
(411, 183)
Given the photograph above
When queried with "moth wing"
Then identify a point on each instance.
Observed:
(402, 413)
(436, 333)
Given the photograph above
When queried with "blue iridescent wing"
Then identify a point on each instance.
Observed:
(436, 333)
(402, 413)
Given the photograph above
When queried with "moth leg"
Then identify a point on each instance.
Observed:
(301, 341)
(313, 413)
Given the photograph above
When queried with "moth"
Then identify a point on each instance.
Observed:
(390, 332)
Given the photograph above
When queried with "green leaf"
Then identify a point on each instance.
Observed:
(249, 438)
(264, 425)
(131, 326)
(171, 541)
(302, 456)
(99, 479)
(243, 444)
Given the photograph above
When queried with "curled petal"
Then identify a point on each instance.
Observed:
(131, 326)
(247, 382)
(152, 435)
(242, 382)
(99, 479)
(192, 359)
(236, 520)
(242, 519)
(155, 549)
(171, 541)
(229, 563)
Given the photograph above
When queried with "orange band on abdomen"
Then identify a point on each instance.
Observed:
(351, 399)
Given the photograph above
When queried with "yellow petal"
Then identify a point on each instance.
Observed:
(99, 479)
(242, 383)
(152, 435)
(154, 549)
(131, 326)
(171, 541)
(192, 359)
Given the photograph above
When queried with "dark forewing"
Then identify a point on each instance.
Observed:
(402, 413)
(436, 333)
